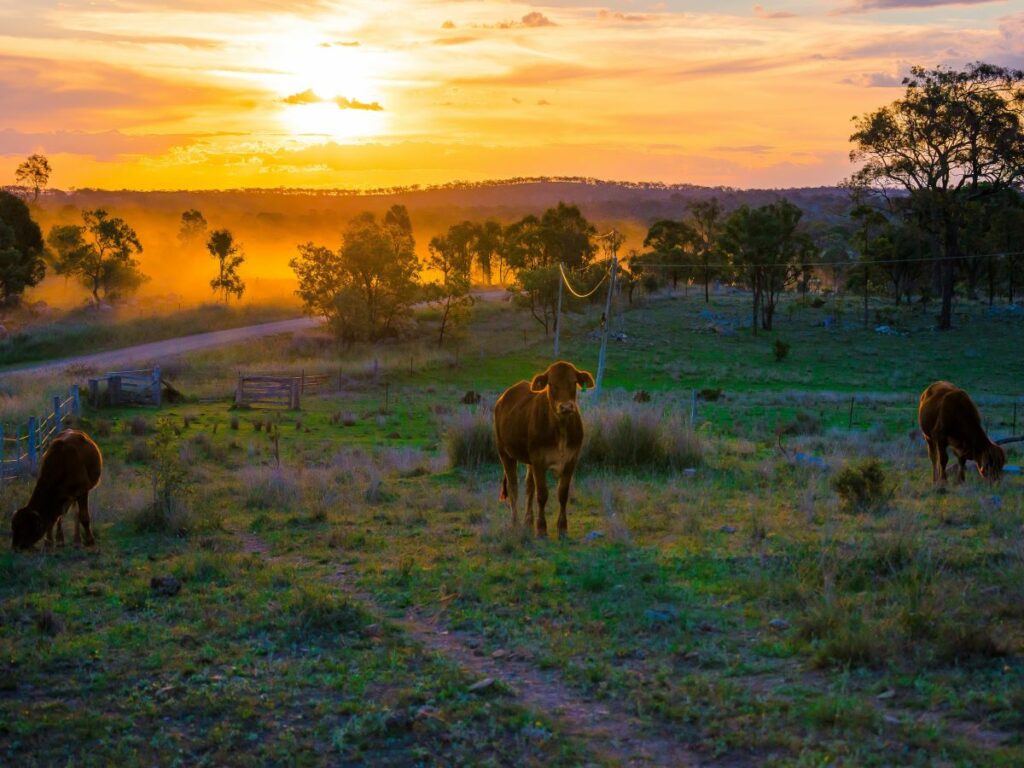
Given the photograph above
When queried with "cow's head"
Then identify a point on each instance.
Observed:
(990, 462)
(560, 381)
(26, 528)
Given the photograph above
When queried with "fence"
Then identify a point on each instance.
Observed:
(282, 390)
(128, 388)
(19, 454)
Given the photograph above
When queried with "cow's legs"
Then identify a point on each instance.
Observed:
(962, 460)
(933, 456)
(58, 530)
(540, 480)
(531, 491)
(564, 481)
(83, 518)
(943, 460)
(48, 536)
(511, 485)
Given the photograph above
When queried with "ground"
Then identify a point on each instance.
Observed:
(348, 596)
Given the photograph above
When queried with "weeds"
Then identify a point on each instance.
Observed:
(469, 439)
(862, 486)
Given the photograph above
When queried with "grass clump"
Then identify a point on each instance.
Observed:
(780, 349)
(862, 486)
(469, 439)
(634, 439)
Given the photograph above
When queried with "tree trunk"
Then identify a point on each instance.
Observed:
(947, 272)
(756, 289)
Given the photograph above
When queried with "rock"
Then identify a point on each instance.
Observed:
(165, 585)
(481, 685)
(372, 630)
(728, 529)
(594, 536)
(778, 624)
(501, 653)
(888, 694)
(427, 712)
(690, 471)
(471, 398)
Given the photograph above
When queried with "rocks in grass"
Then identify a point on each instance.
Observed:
(778, 624)
(482, 685)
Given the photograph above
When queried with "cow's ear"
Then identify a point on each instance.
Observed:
(539, 382)
(584, 379)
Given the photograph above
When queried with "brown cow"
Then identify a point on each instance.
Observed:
(949, 418)
(70, 468)
(539, 424)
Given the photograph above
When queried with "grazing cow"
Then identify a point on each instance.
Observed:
(70, 468)
(538, 423)
(949, 418)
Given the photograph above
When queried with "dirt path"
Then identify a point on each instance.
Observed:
(157, 350)
(611, 732)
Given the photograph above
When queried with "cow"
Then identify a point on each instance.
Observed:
(949, 419)
(538, 423)
(70, 468)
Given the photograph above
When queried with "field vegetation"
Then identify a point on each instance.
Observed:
(340, 585)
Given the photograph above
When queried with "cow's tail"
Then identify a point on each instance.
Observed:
(503, 496)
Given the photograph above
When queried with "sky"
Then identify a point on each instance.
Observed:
(207, 94)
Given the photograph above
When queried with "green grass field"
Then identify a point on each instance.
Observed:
(346, 593)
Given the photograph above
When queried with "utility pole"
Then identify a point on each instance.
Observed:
(558, 314)
(614, 242)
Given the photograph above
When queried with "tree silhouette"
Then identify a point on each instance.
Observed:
(34, 173)
(100, 254)
(193, 226)
(451, 293)
(21, 249)
(953, 137)
(222, 246)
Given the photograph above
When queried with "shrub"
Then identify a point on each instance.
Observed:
(780, 349)
(862, 486)
(470, 440)
(138, 426)
(632, 438)
(710, 394)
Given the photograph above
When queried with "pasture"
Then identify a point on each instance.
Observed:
(333, 589)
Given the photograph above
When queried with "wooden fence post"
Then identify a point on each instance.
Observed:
(850, 424)
(76, 401)
(239, 399)
(3, 465)
(156, 386)
(56, 415)
(693, 408)
(94, 392)
(296, 386)
(33, 437)
(114, 390)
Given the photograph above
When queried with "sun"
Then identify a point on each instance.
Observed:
(326, 87)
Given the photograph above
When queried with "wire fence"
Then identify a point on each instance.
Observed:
(20, 451)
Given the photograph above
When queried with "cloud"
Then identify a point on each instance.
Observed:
(303, 97)
(867, 6)
(529, 75)
(455, 40)
(543, 103)
(537, 19)
(747, 149)
(341, 44)
(875, 80)
(763, 13)
(606, 15)
(369, 106)
(449, 24)
(309, 96)
(108, 146)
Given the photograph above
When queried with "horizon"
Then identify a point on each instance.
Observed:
(164, 95)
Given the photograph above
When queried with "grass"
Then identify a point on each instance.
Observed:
(741, 606)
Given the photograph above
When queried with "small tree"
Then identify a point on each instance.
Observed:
(34, 173)
(672, 243)
(21, 249)
(451, 293)
(193, 226)
(100, 254)
(706, 225)
(222, 246)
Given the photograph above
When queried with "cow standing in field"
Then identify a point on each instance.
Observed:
(70, 468)
(949, 419)
(538, 423)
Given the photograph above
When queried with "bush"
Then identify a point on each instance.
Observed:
(862, 486)
(710, 395)
(780, 349)
(138, 426)
(470, 440)
(632, 438)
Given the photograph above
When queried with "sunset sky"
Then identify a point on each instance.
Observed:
(153, 94)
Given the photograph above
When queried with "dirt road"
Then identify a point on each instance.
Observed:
(157, 350)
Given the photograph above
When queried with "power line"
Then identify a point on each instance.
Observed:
(921, 260)
(574, 292)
